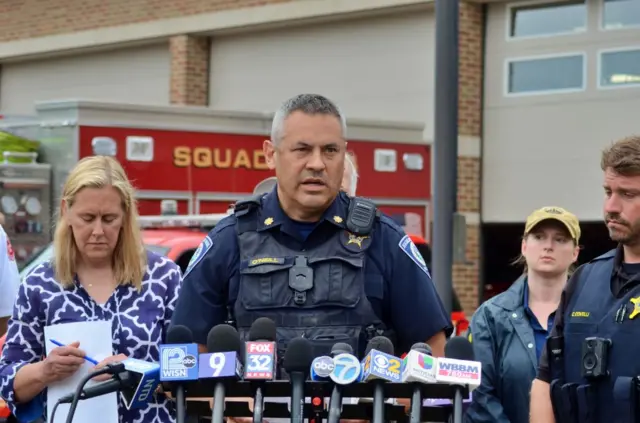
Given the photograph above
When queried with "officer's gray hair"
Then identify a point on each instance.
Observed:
(353, 178)
(311, 104)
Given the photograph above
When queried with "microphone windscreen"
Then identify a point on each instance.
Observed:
(298, 356)
(459, 348)
(179, 335)
(341, 348)
(263, 329)
(224, 338)
(422, 347)
(380, 343)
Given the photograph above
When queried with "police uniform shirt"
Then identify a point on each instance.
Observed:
(9, 275)
(404, 298)
(625, 276)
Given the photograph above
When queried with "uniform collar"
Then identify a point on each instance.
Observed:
(272, 215)
(513, 298)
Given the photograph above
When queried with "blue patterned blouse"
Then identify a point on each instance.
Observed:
(140, 321)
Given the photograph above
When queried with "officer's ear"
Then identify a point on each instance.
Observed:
(269, 151)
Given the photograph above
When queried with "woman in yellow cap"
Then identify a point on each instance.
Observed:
(508, 332)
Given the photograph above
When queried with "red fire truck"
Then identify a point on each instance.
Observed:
(191, 160)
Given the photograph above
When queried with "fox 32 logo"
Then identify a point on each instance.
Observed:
(176, 362)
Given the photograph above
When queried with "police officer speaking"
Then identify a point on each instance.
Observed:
(590, 371)
(318, 263)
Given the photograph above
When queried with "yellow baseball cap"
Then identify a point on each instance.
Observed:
(569, 220)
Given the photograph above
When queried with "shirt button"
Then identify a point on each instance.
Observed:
(530, 345)
(514, 315)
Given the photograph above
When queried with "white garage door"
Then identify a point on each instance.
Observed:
(138, 75)
(375, 68)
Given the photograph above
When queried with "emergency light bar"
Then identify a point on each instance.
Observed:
(184, 221)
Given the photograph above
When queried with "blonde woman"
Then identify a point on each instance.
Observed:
(100, 272)
(508, 332)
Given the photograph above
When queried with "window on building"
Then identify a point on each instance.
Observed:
(548, 19)
(620, 68)
(620, 14)
(546, 74)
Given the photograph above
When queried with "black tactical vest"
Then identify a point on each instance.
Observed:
(317, 293)
(593, 311)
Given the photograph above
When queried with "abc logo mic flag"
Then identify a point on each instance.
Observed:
(178, 362)
(346, 369)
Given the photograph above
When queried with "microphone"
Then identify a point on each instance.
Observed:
(346, 370)
(380, 366)
(178, 362)
(459, 368)
(296, 362)
(260, 360)
(136, 384)
(418, 367)
(223, 362)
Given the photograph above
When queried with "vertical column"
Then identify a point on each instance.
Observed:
(189, 70)
(467, 276)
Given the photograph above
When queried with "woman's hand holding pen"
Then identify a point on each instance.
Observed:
(62, 362)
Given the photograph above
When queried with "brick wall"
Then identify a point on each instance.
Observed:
(189, 70)
(467, 276)
(29, 18)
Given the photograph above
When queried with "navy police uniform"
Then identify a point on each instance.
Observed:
(347, 278)
(591, 359)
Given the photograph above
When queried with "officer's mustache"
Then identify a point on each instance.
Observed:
(314, 178)
(614, 218)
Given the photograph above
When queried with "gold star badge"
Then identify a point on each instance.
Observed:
(337, 219)
(356, 240)
(636, 307)
(268, 221)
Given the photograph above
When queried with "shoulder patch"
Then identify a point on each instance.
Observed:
(205, 245)
(411, 250)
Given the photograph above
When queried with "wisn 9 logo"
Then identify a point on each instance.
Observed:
(346, 369)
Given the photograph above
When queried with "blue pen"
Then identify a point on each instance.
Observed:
(60, 344)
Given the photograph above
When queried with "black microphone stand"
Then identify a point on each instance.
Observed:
(77, 396)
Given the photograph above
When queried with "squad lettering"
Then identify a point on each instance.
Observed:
(220, 158)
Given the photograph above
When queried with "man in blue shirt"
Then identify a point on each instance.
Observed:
(320, 264)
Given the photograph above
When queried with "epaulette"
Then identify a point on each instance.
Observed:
(244, 206)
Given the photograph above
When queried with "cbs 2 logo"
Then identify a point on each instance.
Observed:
(259, 363)
(394, 365)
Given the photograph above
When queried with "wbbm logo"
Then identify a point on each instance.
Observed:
(176, 362)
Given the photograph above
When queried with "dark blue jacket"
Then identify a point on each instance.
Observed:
(503, 341)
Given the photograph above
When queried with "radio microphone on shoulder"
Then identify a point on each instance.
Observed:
(459, 368)
(346, 370)
(296, 362)
(419, 367)
(380, 366)
(178, 363)
(260, 359)
(223, 362)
